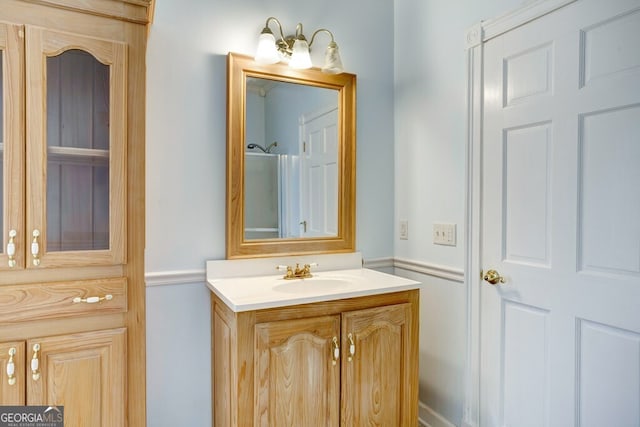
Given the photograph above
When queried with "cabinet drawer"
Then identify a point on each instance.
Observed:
(20, 303)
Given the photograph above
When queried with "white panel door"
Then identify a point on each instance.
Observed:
(560, 339)
(319, 216)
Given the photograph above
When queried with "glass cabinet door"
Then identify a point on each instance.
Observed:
(76, 208)
(12, 240)
(77, 137)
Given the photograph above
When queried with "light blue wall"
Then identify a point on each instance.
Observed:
(410, 61)
(178, 356)
(186, 148)
(186, 117)
(430, 142)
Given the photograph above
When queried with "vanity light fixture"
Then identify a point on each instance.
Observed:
(295, 49)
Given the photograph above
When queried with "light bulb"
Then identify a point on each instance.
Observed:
(267, 53)
(332, 61)
(300, 58)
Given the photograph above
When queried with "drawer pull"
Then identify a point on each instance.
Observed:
(35, 363)
(336, 351)
(93, 300)
(11, 248)
(11, 367)
(35, 248)
(352, 348)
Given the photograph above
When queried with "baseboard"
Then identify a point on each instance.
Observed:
(427, 417)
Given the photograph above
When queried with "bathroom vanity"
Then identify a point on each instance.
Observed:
(337, 349)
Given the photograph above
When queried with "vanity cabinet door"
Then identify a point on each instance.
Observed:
(377, 366)
(297, 373)
(83, 372)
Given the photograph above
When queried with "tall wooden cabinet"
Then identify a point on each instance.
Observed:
(350, 362)
(72, 106)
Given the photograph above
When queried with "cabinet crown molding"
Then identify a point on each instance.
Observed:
(136, 11)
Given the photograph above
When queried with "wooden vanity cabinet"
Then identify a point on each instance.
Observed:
(72, 128)
(348, 362)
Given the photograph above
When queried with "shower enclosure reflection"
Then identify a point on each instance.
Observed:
(263, 196)
(291, 160)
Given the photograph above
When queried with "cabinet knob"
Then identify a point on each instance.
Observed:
(11, 367)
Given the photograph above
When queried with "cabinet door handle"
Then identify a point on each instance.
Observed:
(336, 351)
(35, 363)
(352, 348)
(35, 248)
(11, 248)
(11, 367)
(93, 300)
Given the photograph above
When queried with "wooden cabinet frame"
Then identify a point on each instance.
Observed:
(40, 298)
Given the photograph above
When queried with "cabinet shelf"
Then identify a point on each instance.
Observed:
(73, 152)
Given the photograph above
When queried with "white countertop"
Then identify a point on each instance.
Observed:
(254, 292)
(260, 292)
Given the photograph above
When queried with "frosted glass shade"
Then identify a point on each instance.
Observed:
(332, 61)
(266, 53)
(300, 58)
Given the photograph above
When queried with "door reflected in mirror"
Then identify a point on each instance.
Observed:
(291, 160)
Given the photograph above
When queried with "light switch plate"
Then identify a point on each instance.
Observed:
(444, 234)
(404, 230)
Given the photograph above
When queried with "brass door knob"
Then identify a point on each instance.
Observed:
(493, 277)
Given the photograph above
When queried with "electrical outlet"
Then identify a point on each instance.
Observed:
(444, 234)
(404, 230)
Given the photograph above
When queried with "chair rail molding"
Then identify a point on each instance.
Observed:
(178, 277)
(434, 270)
(475, 37)
(185, 277)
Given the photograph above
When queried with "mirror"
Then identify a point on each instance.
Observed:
(290, 160)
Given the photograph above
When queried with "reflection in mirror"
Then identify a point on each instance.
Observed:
(291, 159)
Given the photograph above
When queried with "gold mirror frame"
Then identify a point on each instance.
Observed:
(239, 67)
